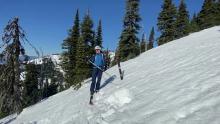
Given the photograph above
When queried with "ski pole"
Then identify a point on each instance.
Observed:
(99, 68)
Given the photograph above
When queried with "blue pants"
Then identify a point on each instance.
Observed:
(96, 74)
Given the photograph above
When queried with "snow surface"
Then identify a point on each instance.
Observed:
(177, 83)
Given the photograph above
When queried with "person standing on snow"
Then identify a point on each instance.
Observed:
(98, 61)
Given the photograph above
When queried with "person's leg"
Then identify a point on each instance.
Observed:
(99, 76)
(90, 101)
(94, 75)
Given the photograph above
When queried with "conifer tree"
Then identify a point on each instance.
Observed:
(51, 78)
(30, 85)
(107, 58)
(69, 55)
(166, 22)
(206, 17)
(10, 82)
(82, 67)
(182, 21)
(88, 38)
(150, 44)
(143, 44)
(87, 32)
(129, 43)
(217, 12)
(99, 34)
(194, 24)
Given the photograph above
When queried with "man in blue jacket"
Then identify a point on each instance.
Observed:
(98, 61)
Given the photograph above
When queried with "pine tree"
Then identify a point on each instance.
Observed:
(206, 17)
(30, 85)
(99, 34)
(69, 55)
(10, 82)
(82, 68)
(182, 21)
(217, 12)
(129, 43)
(51, 78)
(88, 38)
(166, 22)
(107, 58)
(87, 32)
(150, 44)
(194, 24)
(143, 44)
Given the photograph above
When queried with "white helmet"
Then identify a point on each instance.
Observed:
(98, 48)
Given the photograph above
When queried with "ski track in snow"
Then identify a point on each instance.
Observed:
(176, 83)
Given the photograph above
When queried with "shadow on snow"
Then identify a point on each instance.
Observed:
(109, 80)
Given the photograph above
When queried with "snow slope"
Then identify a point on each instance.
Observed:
(177, 83)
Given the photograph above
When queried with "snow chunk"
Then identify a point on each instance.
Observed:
(119, 98)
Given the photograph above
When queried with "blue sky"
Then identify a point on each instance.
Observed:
(46, 22)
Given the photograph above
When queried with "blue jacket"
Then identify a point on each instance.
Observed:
(99, 60)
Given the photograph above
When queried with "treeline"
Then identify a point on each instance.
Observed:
(173, 23)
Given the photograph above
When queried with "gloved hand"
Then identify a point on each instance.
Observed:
(104, 68)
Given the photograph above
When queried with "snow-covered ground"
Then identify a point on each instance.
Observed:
(177, 83)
